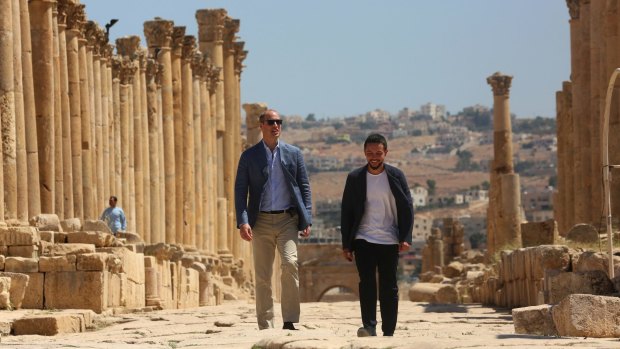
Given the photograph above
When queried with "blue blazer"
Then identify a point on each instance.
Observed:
(252, 175)
(354, 200)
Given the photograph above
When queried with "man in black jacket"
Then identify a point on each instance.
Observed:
(376, 224)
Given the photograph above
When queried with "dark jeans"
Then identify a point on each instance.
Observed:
(369, 259)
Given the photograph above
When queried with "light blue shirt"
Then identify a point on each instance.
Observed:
(114, 217)
(276, 195)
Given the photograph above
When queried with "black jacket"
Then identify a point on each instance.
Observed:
(354, 200)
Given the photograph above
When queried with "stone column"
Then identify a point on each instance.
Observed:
(213, 78)
(156, 233)
(20, 122)
(198, 70)
(128, 47)
(189, 198)
(222, 237)
(43, 75)
(508, 228)
(144, 148)
(559, 200)
(252, 124)
(65, 124)
(59, 208)
(177, 90)
(97, 36)
(115, 129)
(75, 23)
(138, 141)
(86, 130)
(32, 147)
(106, 99)
(7, 92)
(158, 35)
(596, 99)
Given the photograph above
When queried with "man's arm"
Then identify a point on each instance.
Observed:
(123, 220)
(241, 192)
(346, 214)
(304, 185)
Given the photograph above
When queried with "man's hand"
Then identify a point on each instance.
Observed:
(403, 246)
(246, 232)
(348, 255)
(306, 232)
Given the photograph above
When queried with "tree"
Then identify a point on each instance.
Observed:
(311, 117)
(486, 185)
(431, 186)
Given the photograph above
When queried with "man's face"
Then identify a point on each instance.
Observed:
(271, 126)
(375, 154)
(112, 202)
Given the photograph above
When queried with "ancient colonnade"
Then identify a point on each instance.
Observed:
(594, 33)
(159, 127)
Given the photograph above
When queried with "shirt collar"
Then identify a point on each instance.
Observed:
(267, 147)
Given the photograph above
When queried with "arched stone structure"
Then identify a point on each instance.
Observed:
(321, 268)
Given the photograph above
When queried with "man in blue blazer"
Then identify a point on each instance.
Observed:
(376, 224)
(273, 203)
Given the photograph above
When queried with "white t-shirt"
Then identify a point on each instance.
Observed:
(379, 223)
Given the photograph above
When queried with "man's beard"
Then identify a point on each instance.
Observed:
(374, 168)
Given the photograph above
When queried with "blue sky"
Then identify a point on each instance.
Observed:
(345, 57)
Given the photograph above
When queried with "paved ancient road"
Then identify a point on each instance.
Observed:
(324, 325)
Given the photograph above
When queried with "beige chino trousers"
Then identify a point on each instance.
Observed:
(270, 232)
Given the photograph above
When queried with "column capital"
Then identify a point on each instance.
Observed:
(178, 33)
(158, 33)
(115, 63)
(76, 17)
(94, 35)
(231, 27)
(199, 65)
(211, 25)
(107, 50)
(500, 83)
(152, 69)
(141, 57)
(573, 8)
(213, 77)
(189, 47)
(240, 56)
(127, 70)
(61, 9)
(128, 46)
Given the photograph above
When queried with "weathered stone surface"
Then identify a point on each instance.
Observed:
(21, 265)
(69, 249)
(96, 225)
(534, 320)
(130, 237)
(433, 293)
(590, 260)
(453, 269)
(87, 317)
(539, 233)
(92, 261)
(48, 325)
(19, 283)
(33, 297)
(582, 233)
(46, 236)
(21, 236)
(80, 289)
(46, 221)
(5, 288)
(2, 260)
(549, 257)
(97, 238)
(189, 288)
(447, 294)
(29, 251)
(583, 315)
(71, 225)
(57, 263)
(132, 263)
(588, 282)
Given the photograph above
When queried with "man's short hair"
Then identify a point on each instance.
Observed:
(114, 198)
(375, 138)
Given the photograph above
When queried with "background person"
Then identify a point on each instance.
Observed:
(114, 216)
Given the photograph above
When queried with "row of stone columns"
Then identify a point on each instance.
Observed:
(595, 54)
(159, 128)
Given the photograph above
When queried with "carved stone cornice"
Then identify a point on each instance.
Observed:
(115, 62)
(141, 57)
(94, 35)
(128, 46)
(61, 8)
(107, 50)
(500, 84)
(158, 33)
(573, 8)
(127, 70)
(199, 65)
(211, 25)
(189, 48)
(76, 17)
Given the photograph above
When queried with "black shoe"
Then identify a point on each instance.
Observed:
(289, 326)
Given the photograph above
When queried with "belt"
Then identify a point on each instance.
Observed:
(288, 210)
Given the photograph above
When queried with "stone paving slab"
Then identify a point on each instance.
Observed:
(323, 326)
